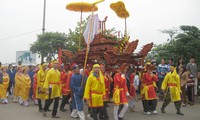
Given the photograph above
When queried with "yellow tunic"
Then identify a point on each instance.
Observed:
(40, 83)
(4, 86)
(172, 82)
(52, 80)
(18, 80)
(26, 84)
(95, 90)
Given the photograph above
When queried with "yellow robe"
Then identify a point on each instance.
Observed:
(52, 80)
(25, 89)
(4, 86)
(40, 83)
(175, 89)
(95, 90)
(18, 86)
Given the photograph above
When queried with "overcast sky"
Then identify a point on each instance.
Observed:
(21, 20)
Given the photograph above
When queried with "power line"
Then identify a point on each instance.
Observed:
(11, 37)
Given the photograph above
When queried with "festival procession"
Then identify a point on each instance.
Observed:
(105, 78)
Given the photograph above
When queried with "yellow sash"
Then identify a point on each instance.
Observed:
(116, 95)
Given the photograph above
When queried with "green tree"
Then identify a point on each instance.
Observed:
(188, 42)
(171, 32)
(47, 44)
(184, 44)
(73, 37)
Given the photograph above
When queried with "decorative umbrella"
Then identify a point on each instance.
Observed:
(121, 12)
(81, 7)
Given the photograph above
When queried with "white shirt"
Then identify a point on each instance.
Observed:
(136, 80)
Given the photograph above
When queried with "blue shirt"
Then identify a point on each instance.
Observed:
(11, 74)
(162, 69)
(75, 84)
(31, 73)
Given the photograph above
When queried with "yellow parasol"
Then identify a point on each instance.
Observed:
(121, 12)
(81, 7)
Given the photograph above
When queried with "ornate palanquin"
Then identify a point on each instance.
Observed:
(104, 49)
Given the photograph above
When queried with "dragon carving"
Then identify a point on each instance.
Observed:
(67, 56)
(146, 49)
(110, 57)
(131, 47)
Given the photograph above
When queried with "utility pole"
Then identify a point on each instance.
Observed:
(44, 14)
(43, 27)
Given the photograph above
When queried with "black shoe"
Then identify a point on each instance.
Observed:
(162, 110)
(179, 112)
(119, 118)
(55, 116)
(48, 110)
(63, 110)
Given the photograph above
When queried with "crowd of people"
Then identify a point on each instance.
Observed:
(97, 86)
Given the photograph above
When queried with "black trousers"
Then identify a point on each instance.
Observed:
(190, 93)
(103, 113)
(40, 104)
(64, 101)
(31, 91)
(95, 111)
(120, 108)
(49, 101)
(9, 88)
(149, 105)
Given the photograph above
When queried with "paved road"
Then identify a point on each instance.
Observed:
(14, 111)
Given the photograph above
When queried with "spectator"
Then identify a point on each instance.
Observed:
(180, 64)
(162, 71)
(31, 73)
(136, 83)
(192, 67)
(170, 62)
(183, 73)
(11, 72)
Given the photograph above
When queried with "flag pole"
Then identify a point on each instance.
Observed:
(80, 37)
(88, 45)
(89, 39)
